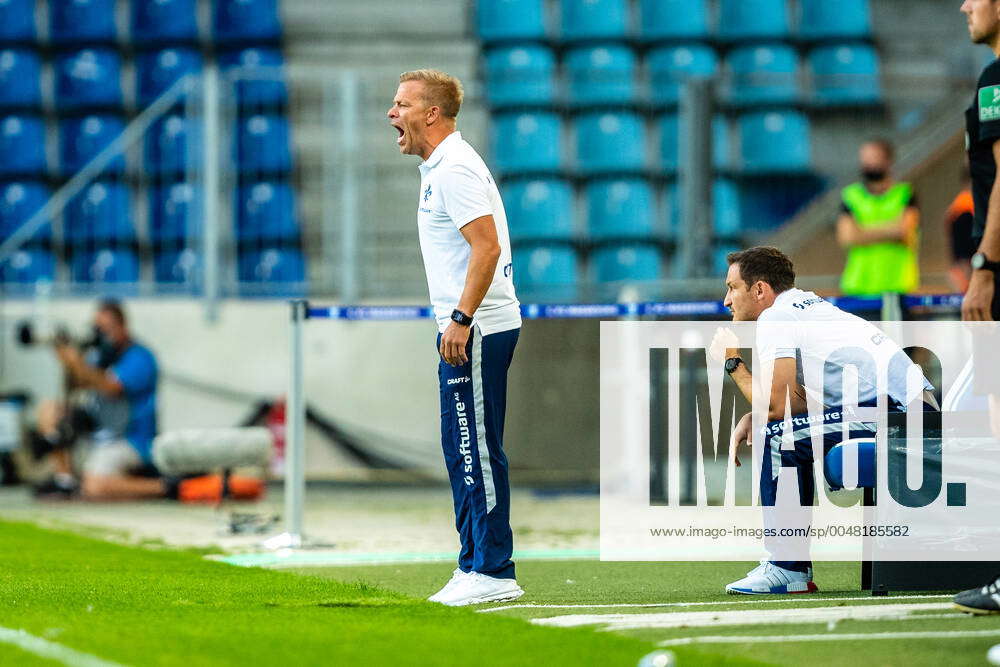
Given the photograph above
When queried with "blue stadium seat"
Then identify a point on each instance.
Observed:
(670, 149)
(156, 71)
(179, 265)
(670, 66)
(603, 74)
(539, 209)
(621, 208)
(763, 74)
(728, 222)
(594, 19)
(81, 138)
(172, 145)
(105, 266)
(672, 208)
(266, 211)
(673, 19)
(272, 265)
(264, 145)
(503, 20)
(770, 202)
(246, 21)
(100, 213)
(845, 74)
(89, 78)
(627, 262)
(527, 142)
(81, 21)
(720, 266)
(159, 21)
(19, 200)
(265, 91)
(174, 213)
(28, 265)
(775, 141)
(843, 19)
(520, 75)
(22, 145)
(20, 79)
(17, 22)
(547, 272)
(610, 143)
(741, 20)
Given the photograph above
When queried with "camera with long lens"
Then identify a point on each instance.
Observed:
(28, 336)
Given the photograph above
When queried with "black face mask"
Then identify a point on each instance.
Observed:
(874, 175)
(107, 352)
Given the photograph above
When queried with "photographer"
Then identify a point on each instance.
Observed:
(113, 415)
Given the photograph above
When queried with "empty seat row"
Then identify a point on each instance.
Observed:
(91, 77)
(656, 20)
(610, 142)
(526, 75)
(261, 145)
(93, 21)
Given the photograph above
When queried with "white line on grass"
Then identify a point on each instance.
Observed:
(46, 649)
(734, 601)
(833, 636)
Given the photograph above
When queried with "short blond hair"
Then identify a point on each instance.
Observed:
(440, 89)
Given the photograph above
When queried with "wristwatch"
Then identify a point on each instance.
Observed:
(461, 318)
(732, 364)
(981, 263)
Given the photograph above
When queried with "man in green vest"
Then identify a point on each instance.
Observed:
(879, 228)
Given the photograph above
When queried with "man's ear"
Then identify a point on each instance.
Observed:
(433, 113)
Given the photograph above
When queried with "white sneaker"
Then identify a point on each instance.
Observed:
(456, 577)
(477, 588)
(768, 578)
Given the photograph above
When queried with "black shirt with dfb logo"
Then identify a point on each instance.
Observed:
(982, 122)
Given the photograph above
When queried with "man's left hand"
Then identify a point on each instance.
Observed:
(453, 342)
(724, 345)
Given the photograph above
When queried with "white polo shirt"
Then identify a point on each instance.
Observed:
(802, 324)
(455, 189)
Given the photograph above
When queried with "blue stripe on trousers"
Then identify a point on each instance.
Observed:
(473, 403)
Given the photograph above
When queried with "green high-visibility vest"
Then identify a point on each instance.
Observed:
(879, 267)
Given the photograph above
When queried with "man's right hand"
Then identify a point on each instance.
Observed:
(742, 433)
(977, 304)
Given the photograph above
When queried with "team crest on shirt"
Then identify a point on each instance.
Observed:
(427, 193)
(989, 103)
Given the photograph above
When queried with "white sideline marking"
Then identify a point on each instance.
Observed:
(736, 601)
(46, 649)
(832, 637)
(702, 619)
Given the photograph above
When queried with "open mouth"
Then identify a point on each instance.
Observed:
(399, 141)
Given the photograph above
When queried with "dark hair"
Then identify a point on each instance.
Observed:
(114, 307)
(885, 146)
(764, 263)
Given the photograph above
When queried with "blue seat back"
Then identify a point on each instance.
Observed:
(81, 21)
(520, 75)
(670, 66)
(264, 145)
(260, 84)
(89, 78)
(246, 21)
(720, 265)
(726, 211)
(833, 464)
(19, 200)
(105, 266)
(673, 19)
(501, 20)
(266, 212)
(775, 141)
(176, 266)
(20, 79)
(594, 19)
(156, 71)
(603, 74)
(621, 208)
(22, 145)
(100, 213)
(28, 265)
(527, 142)
(172, 145)
(159, 21)
(763, 74)
(822, 19)
(846, 74)
(670, 142)
(17, 22)
(627, 262)
(272, 265)
(611, 142)
(174, 214)
(81, 138)
(540, 208)
(547, 272)
(753, 19)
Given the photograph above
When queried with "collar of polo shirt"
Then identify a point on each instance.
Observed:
(438, 153)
